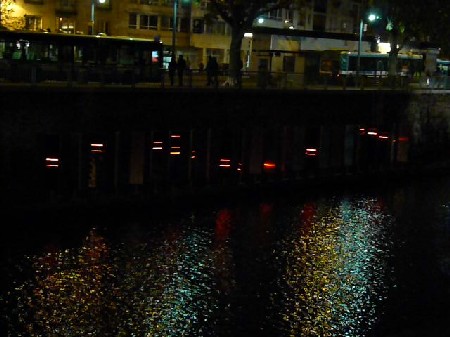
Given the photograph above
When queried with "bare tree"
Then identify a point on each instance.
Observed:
(240, 15)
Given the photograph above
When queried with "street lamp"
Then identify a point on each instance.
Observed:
(371, 17)
(249, 36)
(174, 26)
(92, 25)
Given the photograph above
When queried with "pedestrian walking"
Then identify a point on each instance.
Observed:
(172, 69)
(239, 73)
(181, 67)
(212, 69)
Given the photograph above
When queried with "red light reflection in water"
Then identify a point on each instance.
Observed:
(307, 215)
(223, 224)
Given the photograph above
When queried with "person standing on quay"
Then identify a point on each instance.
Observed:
(181, 67)
(172, 69)
(212, 69)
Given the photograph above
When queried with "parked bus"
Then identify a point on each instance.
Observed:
(39, 56)
(443, 66)
(374, 64)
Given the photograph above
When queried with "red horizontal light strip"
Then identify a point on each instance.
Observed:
(225, 163)
(269, 165)
(175, 150)
(97, 148)
(51, 162)
(157, 145)
(312, 152)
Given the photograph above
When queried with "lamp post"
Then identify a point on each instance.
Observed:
(358, 62)
(174, 26)
(92, 23)
(371, 17)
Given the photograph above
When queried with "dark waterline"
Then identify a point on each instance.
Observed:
(360, 262)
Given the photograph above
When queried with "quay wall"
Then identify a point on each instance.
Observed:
(223, 138)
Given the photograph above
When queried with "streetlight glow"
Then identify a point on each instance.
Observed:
(93, 3)
(174, 26)
(371, 17)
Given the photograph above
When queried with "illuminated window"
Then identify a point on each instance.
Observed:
(66, 25)
(33, 22)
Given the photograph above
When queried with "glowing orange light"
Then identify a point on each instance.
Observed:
(175, 150)
(372, 132)
(175, 136)
(269, 165)
(312, 152)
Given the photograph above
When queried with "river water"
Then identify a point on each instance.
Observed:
(372, 261)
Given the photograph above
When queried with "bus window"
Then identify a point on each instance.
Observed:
(87, 55)
(126, 56)
(67, 54)
(6, 50)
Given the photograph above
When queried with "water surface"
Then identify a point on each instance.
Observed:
(371, 262)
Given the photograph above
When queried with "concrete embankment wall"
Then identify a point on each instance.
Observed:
(224, 137)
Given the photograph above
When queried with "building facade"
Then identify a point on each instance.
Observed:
(282, 40)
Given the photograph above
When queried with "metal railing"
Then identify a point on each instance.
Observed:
(132, 76)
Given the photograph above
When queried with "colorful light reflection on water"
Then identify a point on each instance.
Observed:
(317, 269)
(336, 269)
